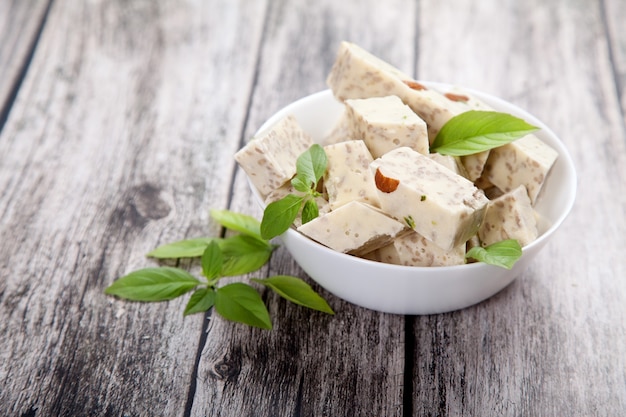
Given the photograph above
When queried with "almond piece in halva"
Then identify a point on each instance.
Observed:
(440, 205)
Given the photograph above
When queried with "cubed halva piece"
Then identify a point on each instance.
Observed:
(348, 177)
(354, 228)
(451, 162)
(270, 159)
(510, 216)
(386, 123)
(412, 249)
(356, 73)
(445, 208)
(526, 161)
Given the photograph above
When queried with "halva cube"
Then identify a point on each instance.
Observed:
(526, 161)
(462, 96)
(510, 216)
(451, 162)
(412, 249)
(432, 106)
(270, 159)
(341, 132)
(445, 208)
(348, 177)
(386, 123)
(355, 228)
(473, 242)
(474, 164)
(357, 73)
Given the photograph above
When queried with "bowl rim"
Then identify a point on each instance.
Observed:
(564, 156)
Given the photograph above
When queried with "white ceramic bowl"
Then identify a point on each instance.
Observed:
(420, 290)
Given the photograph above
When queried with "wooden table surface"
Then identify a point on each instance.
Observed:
(119, 120)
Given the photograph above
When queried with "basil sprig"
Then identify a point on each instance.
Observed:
(503, 254)
(242, 253)
(476, 131)
(279, 215)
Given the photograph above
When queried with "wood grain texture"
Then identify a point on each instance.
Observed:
(105, 156)
(20, 23)
(311, 364)
(614, 17)
(554, 342)
(121, 138)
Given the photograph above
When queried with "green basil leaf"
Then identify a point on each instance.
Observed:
(410, 221)
(238, 222)
(153, 284)
(212, 261)
(279, 215)
(476, 131)
(311, 165)
(310, 211)
(297, 291)
(301, 184)
(241, 303)
(189, 248)
(243, 254)
(503, 254)
(200, 301)
(319, 161)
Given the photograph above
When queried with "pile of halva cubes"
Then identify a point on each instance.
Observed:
(385, 197)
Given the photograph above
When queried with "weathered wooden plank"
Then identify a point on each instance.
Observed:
(120, 140)
(615, 16)
(311, 363)
(554, 342)
(20, 22)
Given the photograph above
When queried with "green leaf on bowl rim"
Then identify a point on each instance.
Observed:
(503, 254)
